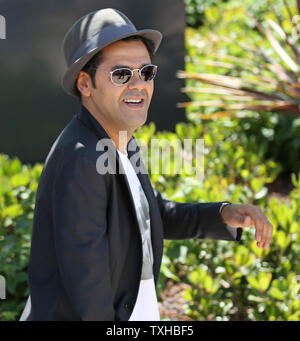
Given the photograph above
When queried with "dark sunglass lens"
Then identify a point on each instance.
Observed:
(121, 76)
(148, 72)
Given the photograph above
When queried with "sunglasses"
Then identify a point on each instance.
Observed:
(123, 75)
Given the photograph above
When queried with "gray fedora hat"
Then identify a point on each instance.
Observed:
(93, 32)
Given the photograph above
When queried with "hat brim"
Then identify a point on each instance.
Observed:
(70, 77)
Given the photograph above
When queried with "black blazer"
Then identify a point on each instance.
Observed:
(86, 255)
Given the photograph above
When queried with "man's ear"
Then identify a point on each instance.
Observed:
(84, 84)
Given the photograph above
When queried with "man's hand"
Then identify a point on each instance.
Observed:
(246, 216)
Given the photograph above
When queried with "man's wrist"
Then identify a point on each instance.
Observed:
(226, 203)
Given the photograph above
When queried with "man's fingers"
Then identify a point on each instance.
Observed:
(267, 232)
(259, 231)
(263, 227)
(269, 229)
(264, 230)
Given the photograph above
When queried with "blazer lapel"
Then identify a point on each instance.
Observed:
(156, 223)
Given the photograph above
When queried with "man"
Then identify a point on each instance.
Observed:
(99, 225)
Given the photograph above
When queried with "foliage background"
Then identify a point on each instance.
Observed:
(244, 156)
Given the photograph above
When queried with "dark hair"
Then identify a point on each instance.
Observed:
(91, 66)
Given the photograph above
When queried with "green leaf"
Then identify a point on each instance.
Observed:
(15, 166)
(243, 257)
(261, 194)
(256, 298)
(187, 294)
(208, 283)
(264, 279)
(169, 274)
(256, 184)
(261, 282)
(282, 239)
(20, 179)
(276, 293)
(12, 211)
(294, 317)
(253, 281)
(295, 182)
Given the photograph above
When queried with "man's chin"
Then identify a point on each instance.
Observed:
(136, 120)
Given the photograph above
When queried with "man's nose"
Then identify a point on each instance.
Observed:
(135, 80)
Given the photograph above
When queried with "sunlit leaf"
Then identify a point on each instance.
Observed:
(276, 293)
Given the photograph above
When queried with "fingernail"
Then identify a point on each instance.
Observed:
(258, 238)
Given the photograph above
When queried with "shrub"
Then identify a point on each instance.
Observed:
(233, 281)
(248, 70)
(18, 185)
(196, 9)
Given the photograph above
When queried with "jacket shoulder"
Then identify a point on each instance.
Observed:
(75, 141)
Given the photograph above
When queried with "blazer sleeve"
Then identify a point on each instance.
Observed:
(194, 220)
(79, 201)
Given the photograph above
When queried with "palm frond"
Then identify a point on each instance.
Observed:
(262, 82)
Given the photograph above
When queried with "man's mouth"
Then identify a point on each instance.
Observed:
(134, 102)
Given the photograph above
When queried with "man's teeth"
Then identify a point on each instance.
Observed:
(133, 100)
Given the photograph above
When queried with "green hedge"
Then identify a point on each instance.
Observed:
(196, 9)
(234, 281)
(237, 281)
(278, 135)
(18, 185)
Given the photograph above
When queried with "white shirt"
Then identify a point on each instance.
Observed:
(146, 306)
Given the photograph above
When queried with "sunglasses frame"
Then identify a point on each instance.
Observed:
(132, 71)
